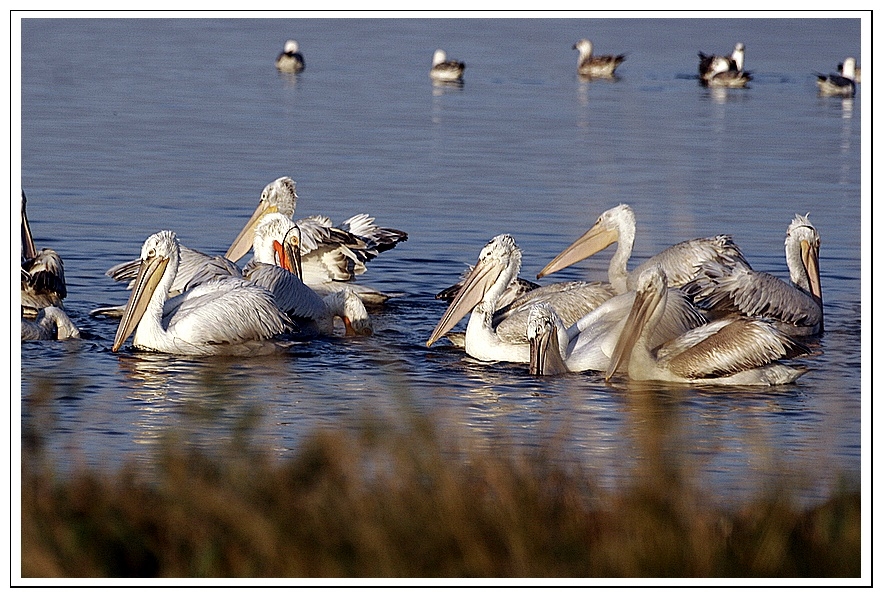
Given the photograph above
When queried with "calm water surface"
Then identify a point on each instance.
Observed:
(133, 126)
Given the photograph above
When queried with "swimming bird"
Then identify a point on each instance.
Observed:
(842, 84)
(588, 344)
(587, 65)
(730, 351)
(290, 60)
(42, 272)
(446, 70)
(709, 64)
(229, 315)
(51, 323)
(680, 262)
(495, 334)
(795, 308)
(329, 255)
(276, 267)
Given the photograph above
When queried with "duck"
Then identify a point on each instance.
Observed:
(290, 60)
(590, 66)
(838, 84)
(444, 70)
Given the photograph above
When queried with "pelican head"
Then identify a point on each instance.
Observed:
(439, 57)
(279, 196)
(347, 306)
(585, 48)
(543, 326)
(290, 47)
(803, 235)
(159, 252)
(606, 230)
(277, 241)
(649, 295)
(498, 265)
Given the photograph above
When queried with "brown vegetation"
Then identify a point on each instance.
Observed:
(384, 501)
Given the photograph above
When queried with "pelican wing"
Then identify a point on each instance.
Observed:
(725, 347)
(571, 301)
(753, 293)
(227, 311)
(681, 262)
(292, 296)
(377, 239)
(45, 273)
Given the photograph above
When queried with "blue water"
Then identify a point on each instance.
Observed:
(133, 126)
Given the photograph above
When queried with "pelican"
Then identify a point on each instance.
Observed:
(842, 84)
(290, 60)
(795, 308)
(710, 64)
(501, 335)
(225, 316)
(444, 69)
(329, 255)
(680, 262)
(276, 267)
(588, 344)
(588, 65)
(42, 272)
(730, 351)
(51, 323)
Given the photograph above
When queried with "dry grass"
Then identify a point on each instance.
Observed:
(401, 501)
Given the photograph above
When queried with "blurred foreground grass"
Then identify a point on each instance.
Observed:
(381, 500)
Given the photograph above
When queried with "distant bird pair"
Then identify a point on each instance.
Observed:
(588, 65)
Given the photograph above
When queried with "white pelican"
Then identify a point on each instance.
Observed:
(494, 335)
(276, 267)
(329, 255)
(731, 351)
(680, 262)
(225, 316)
(290, 60)
(51, 323)
(42, 272)
(444, 69)
(588, 344)
(588, 65)
(842, 84)
(710, 64)
(795, 308)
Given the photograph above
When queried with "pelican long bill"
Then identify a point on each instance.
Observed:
(590, 243)
(149, 275)
(245, 239)
(645, 303)
(482, 278)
